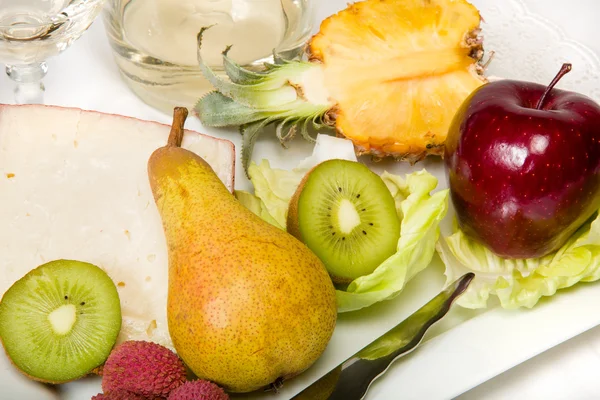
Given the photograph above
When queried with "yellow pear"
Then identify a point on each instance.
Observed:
(249, 305)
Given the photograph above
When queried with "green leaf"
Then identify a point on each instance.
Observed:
(249, 136)
(522, 282)
(237, 73)
(271, 91)
(218, 110)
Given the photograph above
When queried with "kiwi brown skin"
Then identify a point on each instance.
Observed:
(292, 225)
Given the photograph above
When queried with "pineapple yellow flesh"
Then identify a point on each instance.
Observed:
(406, 119)
(398, 71)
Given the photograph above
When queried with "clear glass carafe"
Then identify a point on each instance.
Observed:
(154, 41)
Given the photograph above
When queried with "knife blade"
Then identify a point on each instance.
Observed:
(352, 379)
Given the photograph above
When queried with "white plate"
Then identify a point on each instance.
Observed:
(466, 349)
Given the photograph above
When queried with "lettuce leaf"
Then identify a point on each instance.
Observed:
(257, 206)
(420, 211)
(275, 187)
(521, 283)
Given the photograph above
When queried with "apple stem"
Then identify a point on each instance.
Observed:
(565, 69)
(180, 114)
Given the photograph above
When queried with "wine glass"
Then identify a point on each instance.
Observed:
(31, 31)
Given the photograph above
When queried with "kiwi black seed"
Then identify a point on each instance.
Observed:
(60, 321)
(347, 216)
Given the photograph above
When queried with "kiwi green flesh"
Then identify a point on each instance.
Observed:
(347, 217)
(60, 321)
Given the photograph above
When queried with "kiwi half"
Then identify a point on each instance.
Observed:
(60, 321)
(347, 216)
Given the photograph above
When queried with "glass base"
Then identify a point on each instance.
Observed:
(29, 87)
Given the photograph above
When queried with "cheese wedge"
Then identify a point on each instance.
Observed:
(74, 185)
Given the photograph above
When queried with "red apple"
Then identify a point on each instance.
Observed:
(523, 164)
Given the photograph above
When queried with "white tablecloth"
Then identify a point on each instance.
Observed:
(85, 76)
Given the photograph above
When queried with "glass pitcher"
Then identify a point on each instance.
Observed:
(154, 41)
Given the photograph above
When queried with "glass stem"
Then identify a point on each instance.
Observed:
(29, 88)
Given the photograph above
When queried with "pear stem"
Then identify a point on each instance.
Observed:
(565, 69)
(180, 114)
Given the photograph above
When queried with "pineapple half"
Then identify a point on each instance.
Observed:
(387, 74)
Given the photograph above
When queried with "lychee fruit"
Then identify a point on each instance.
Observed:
(118, 395)
(143, 368)
(198, 390)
